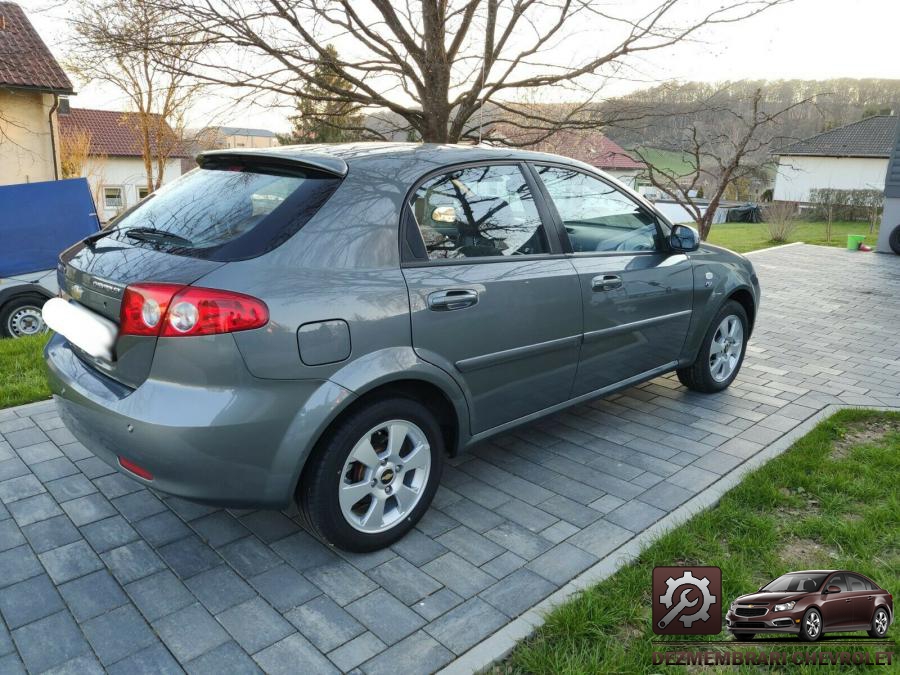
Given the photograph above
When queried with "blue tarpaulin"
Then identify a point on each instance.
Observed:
(39, 220)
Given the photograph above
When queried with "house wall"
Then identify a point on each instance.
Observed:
(797, 176)
(124, 172)
(239, 141)
(26, 151)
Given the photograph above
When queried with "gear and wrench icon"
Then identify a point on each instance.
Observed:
(689, 579)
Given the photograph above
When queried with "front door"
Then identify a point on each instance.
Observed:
(637, 296)
(494, 302)
(837, 608)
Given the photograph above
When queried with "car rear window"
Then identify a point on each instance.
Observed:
(228, 211)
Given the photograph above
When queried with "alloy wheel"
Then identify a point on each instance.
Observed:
(384, 476)
(725, 349)
(881, 622)
(26, 320)
(813, 624)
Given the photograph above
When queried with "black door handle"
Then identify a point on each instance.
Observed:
(445, 301)
(606, 282)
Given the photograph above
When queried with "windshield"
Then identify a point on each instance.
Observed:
(226, 212)
(802, 583)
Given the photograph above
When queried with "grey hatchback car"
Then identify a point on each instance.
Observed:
(325, 323)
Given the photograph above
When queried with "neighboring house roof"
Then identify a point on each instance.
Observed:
(244, 131)
(871, 137)
(114, 133)
(590, 147)
(25, 61)
(595, 149)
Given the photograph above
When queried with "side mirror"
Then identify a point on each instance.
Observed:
(833, 589)
(684, 239)
(444, 214)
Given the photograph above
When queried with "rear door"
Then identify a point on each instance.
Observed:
(494, 301)
(862, 596)
(637, 295)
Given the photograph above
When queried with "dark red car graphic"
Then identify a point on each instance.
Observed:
(811, 603)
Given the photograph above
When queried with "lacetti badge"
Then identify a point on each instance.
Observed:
(104, 286)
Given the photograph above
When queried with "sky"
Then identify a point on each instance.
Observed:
(805, 39)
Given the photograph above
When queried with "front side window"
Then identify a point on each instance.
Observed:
(112, 198)
(597, 216)
(228, 211)
(477, 212)
(839, 581)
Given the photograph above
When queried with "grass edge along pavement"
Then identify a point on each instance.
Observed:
(829, 501)
(746, 237)
(23, 377)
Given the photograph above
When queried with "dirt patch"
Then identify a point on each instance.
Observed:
(807, 554)
(863, 432)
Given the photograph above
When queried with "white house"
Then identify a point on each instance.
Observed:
(114, 165)
(852, 157)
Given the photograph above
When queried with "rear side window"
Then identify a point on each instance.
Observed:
(227, 212)
(477, 212)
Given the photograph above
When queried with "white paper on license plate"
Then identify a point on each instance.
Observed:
(84, 329)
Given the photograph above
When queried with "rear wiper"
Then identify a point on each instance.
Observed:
(151, 234)
(89, 241)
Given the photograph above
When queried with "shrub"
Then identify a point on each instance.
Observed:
(780, 218)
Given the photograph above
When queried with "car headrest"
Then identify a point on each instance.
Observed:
(809, 585)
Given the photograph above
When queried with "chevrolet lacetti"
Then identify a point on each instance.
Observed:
(325, 323)
(811, 603)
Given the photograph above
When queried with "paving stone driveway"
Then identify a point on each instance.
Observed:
(97, 572)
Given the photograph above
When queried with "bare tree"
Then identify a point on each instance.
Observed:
(717, 157)
(435, 64)
(126, 43)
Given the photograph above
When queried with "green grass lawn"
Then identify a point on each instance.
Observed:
(743, 237)
(22, 378)
(669, 161)
(831, 501)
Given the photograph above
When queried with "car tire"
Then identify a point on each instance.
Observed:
(721, 352)
(894, 240)
(880, 622)
(811, 625)
(377, 453)
(742, 637)
(21, 316)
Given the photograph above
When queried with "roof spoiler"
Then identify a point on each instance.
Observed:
(325, 163)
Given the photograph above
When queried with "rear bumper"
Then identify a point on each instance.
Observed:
(241, 445)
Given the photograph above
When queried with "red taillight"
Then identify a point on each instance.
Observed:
(170, 310)
(144, 308)
(128, 465)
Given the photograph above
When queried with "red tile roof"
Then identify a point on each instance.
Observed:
(114, 133)
(25, 60)
(590, 147)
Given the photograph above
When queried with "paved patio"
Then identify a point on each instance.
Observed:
(98, 573)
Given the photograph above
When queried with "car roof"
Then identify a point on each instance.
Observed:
(337, 158)
(816, 572)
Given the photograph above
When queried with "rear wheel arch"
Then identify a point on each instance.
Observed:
(429, 394)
